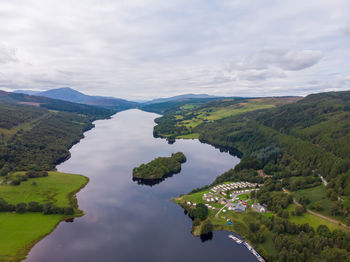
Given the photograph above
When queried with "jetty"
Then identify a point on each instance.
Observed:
(249, 247)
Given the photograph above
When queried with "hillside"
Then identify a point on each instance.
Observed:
(180, 97)
(37, 132)
(54, 104)
(71, 95)
(175, 105)
(181, 119)
(288, 148)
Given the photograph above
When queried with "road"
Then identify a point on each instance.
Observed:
(334, 221)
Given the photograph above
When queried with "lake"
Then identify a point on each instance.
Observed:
(126, 221)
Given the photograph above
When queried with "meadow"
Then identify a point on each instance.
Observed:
(19, 232)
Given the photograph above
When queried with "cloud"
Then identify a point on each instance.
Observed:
(7, 54)
(286, 59)
(144, 49)
(347, 29)
(261, 75)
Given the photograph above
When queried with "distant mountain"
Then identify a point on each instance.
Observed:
(71, 95)
(93, 112)
(27, 92)
(180, 97)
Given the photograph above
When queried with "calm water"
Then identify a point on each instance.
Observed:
(130, 222)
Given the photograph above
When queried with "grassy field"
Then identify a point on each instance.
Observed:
(312, 220)
(318, 194)
(216, 113)
(190, 136)
(55, 188)
(19, 232)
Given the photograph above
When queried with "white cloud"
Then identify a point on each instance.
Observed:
(7, 54)
(261, 75)
(347, 29)
(150, 48)
(292, 60)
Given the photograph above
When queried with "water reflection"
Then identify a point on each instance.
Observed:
(152, 182)
(206, 237)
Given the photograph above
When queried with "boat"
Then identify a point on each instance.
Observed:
(252, 250)
(236, 239)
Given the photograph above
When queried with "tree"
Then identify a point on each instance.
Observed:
(34, 207)
(48, 208)
(334, 254)
(68, 211)
(304, 200)
(299, 210)
(319, 206)
(324, 231)
(200, 212)
(252, 194)
(21, 208)
(206, 228)
(254, 227)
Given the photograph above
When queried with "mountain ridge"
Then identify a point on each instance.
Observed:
(72, 95)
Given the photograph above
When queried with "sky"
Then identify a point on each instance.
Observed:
(143, 49)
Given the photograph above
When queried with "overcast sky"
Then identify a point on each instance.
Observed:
(155, 48)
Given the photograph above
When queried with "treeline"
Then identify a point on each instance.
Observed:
(160, 167)
(199, 215)
(44, 142)
(17, 180)
(33, 206)
(175, 105)
(299, 243)
(167, 125)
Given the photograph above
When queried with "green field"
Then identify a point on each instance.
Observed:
(318, 194)
(55, 188)
(312, 220)
(216, 113)
(19, 232)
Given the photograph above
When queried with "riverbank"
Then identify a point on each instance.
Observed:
(20, 232)
(223, 217)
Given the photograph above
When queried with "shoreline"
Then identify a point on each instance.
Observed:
(22, 253)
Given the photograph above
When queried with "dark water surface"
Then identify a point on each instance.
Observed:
(130, 222)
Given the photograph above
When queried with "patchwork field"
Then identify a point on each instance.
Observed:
(19, 232)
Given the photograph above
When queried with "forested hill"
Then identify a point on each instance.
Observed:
(174, 105)
(54, 104)
(37, 132)
(306, 138)
(294, 142)
(287, 148)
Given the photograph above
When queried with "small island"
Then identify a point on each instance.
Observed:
(159, 169)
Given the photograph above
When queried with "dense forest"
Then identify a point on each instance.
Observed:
(172, 106)
(160, 167)
(36, 133)
(288, 147)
